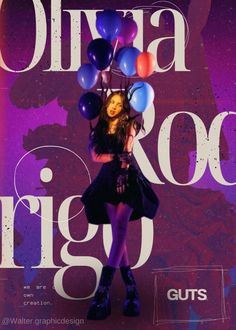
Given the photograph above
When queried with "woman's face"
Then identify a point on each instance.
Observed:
(115, 106)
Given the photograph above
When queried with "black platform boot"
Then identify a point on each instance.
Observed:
(131, 305)
(100, 306)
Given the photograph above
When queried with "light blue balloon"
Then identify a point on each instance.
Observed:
(126, 60)
(87, 75)
(142, 96)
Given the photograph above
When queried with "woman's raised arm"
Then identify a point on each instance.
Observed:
(128, 147)
(131, 133)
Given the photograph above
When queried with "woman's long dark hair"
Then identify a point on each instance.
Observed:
(98, 133)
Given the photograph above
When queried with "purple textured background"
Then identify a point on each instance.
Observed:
(195, 226)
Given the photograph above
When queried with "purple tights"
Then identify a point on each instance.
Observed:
(119, 216)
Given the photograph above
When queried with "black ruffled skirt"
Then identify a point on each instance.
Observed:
(139, 194)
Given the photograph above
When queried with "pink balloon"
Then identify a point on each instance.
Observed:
(128, 31)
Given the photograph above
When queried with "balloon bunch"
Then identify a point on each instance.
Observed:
(110, 25)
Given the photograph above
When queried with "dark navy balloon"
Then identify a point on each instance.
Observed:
(87, 75)
(100, 53)
(90, 105)
(108, 24)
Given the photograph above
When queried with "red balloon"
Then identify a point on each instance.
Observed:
(145, 64)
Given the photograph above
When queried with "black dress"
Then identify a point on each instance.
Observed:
(139, 194)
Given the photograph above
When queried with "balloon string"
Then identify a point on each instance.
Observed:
(90, 126)
(121, 83)
(110, 72)
(109, 67)
(110, 78)
(115, 47)
(102, 87)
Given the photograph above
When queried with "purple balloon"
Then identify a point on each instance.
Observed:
(128, 31)
(100, 53)
(90, 105)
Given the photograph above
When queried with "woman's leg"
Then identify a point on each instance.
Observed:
(111, 211)
(119, 216)
(119, 222)
(125, 259)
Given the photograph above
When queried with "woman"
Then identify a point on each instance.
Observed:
(120, 193)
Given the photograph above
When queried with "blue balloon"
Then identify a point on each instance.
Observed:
(90, 105)
(108, 24)
(87, 76)
(142, 96)
(117, 56)
(126, 60)
(100, 53)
